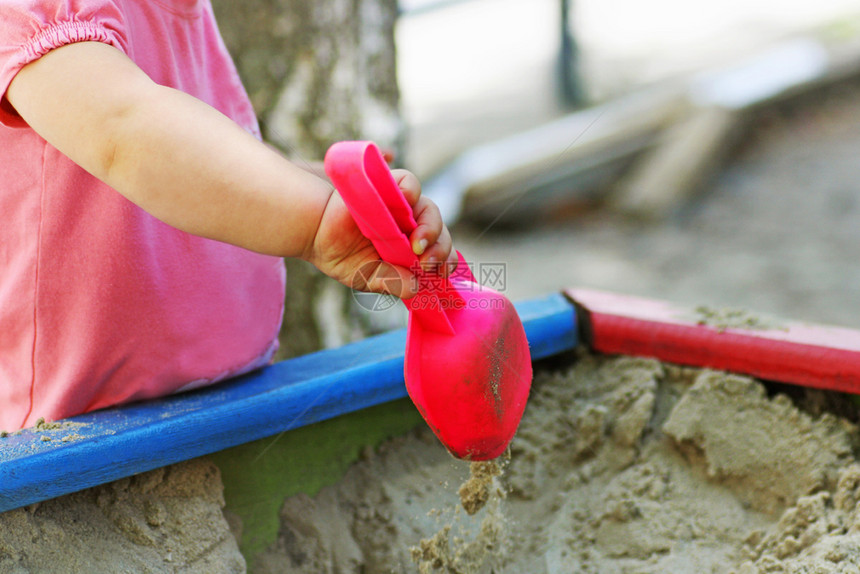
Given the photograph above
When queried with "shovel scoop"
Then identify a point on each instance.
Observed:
(467, 366)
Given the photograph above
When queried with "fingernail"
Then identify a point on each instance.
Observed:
(419, 246)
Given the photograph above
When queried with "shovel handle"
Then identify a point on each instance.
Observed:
(363, 180)
(382, 214)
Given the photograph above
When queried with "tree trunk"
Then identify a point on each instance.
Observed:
(316, 72)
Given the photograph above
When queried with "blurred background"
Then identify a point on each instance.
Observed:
(701, 152)
(471, 71)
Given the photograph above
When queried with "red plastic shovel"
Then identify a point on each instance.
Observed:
(468, 367)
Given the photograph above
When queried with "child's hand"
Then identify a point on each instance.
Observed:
(341, 251)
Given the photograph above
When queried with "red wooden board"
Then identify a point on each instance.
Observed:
(794, 352)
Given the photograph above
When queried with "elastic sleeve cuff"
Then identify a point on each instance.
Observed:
(50, 38)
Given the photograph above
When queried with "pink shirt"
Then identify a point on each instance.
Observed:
(100, 303)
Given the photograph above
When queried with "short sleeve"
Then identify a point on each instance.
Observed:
(29, 29)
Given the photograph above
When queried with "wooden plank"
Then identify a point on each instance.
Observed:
(114, 443)
(548, 164)
(785, 351)
(670, 174)
(575, 160)
(720, 103)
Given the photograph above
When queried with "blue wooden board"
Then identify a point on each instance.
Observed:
(110, 444)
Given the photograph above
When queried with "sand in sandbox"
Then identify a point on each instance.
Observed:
(620, 465)
(162, 521)
(735, 318)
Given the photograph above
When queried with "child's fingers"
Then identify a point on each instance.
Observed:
(409, 185)
(387, 278)
(430, 240)
(430, 226)
(440, 256)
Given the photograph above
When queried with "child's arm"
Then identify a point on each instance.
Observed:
(192, 167)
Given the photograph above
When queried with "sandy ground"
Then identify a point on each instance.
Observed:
(167, 520)
(620, 465)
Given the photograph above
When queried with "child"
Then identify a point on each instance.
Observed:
(143, 221)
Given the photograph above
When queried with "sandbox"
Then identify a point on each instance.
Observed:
(620, 465)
